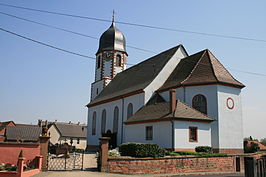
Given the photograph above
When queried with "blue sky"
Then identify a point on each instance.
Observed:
(38, 82)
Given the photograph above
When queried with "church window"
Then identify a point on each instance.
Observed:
(115, 122)
(103, 126)
(199, 102)
(193, 134)
(98, 62)
(129, 110)
(94, 124)
(149, 133)
(118, 60)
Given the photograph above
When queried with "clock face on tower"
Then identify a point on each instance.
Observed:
(108, 55)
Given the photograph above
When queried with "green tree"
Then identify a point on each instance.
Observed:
(263, 141)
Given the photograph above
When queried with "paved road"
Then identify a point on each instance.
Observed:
(97, 174)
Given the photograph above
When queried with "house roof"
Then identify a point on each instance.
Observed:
(23, 132)
(4, 124)
(200, 68)
(71, 130)
(160, 112)
(136, 78)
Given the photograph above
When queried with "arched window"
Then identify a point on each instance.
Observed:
(115, 122)
(103, 126)
(118, 60)
(129, 110)
(94, 123)
(199, 102)
(98, 62)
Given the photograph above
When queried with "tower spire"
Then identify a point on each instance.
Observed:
(113, 17)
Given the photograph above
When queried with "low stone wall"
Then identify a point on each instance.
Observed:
(174, 165)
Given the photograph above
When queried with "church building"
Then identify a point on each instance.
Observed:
(176, 100)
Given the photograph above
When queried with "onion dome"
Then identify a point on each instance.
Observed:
(112, 39)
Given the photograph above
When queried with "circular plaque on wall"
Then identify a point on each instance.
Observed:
(230, 103)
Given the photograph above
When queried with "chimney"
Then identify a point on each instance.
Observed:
(172, 104)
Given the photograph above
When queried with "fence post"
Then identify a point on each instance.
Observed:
(21, 160)
(103, 153)
(44, 140)
(250, 167)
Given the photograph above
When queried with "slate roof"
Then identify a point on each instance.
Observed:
(136, 78)
(200, 68)
(71, 130)
(23, 132)
(160, 112)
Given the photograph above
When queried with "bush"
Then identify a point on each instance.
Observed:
(206, 149)
(142, 150)
(251, 148)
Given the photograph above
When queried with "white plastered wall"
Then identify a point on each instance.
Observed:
(182, 134)
(162, 133)
(230, 120)
(186, 95)
(164, 73)
(54, 135)
(137, 101)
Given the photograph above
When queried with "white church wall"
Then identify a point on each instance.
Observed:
(164, 73)
(137, 101)
(182, 134)
(94, 86)
(230, 118)
(162, 133)
(210, 92)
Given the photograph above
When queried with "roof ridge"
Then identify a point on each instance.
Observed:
(204, 51)
(212, 67)
(211, 54)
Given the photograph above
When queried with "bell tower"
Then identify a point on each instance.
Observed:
(111, 58)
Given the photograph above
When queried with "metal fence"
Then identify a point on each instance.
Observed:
(73, 161)
(255, 167)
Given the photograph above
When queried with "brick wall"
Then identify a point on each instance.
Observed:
(172, 165)
(10, 152)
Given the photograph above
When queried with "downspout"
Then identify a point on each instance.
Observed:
(122, 127)
(172, 109)
(173, 135)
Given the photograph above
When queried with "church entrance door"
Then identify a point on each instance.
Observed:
(113, 140)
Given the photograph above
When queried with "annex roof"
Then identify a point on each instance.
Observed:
(160, 112)
(200, 68)
(135, 78)
(23, 133)
(71, 130)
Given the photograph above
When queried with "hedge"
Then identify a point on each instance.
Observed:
(141, 150)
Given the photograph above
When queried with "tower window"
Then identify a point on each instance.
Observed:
(118, 60)
(98, 62)
(199, 102)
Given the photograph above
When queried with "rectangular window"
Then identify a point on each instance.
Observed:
(149, 133)
(193, 134)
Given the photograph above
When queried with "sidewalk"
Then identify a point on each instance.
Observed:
(98, 174)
